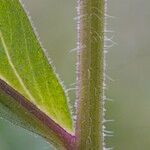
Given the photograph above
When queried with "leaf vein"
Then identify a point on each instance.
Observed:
(29, 61)
(13, 67)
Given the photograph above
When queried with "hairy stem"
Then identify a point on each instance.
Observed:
(90, 74)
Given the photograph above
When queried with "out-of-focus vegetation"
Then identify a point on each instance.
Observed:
(127, 63)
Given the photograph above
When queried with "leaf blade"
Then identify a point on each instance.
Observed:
(25, 67)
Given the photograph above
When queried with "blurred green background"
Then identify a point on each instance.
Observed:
(128, 64)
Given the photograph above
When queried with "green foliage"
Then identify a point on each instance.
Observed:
(32, 96)
(24, 67)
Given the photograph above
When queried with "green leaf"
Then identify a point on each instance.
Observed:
(25, 68)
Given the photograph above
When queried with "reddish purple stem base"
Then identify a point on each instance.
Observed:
(64, 136)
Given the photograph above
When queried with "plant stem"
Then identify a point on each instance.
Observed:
(90, 74)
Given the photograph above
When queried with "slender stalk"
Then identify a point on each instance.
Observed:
(37, 121)
(90, 74)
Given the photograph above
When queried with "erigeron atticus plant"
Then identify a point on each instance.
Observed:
(31, 94)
